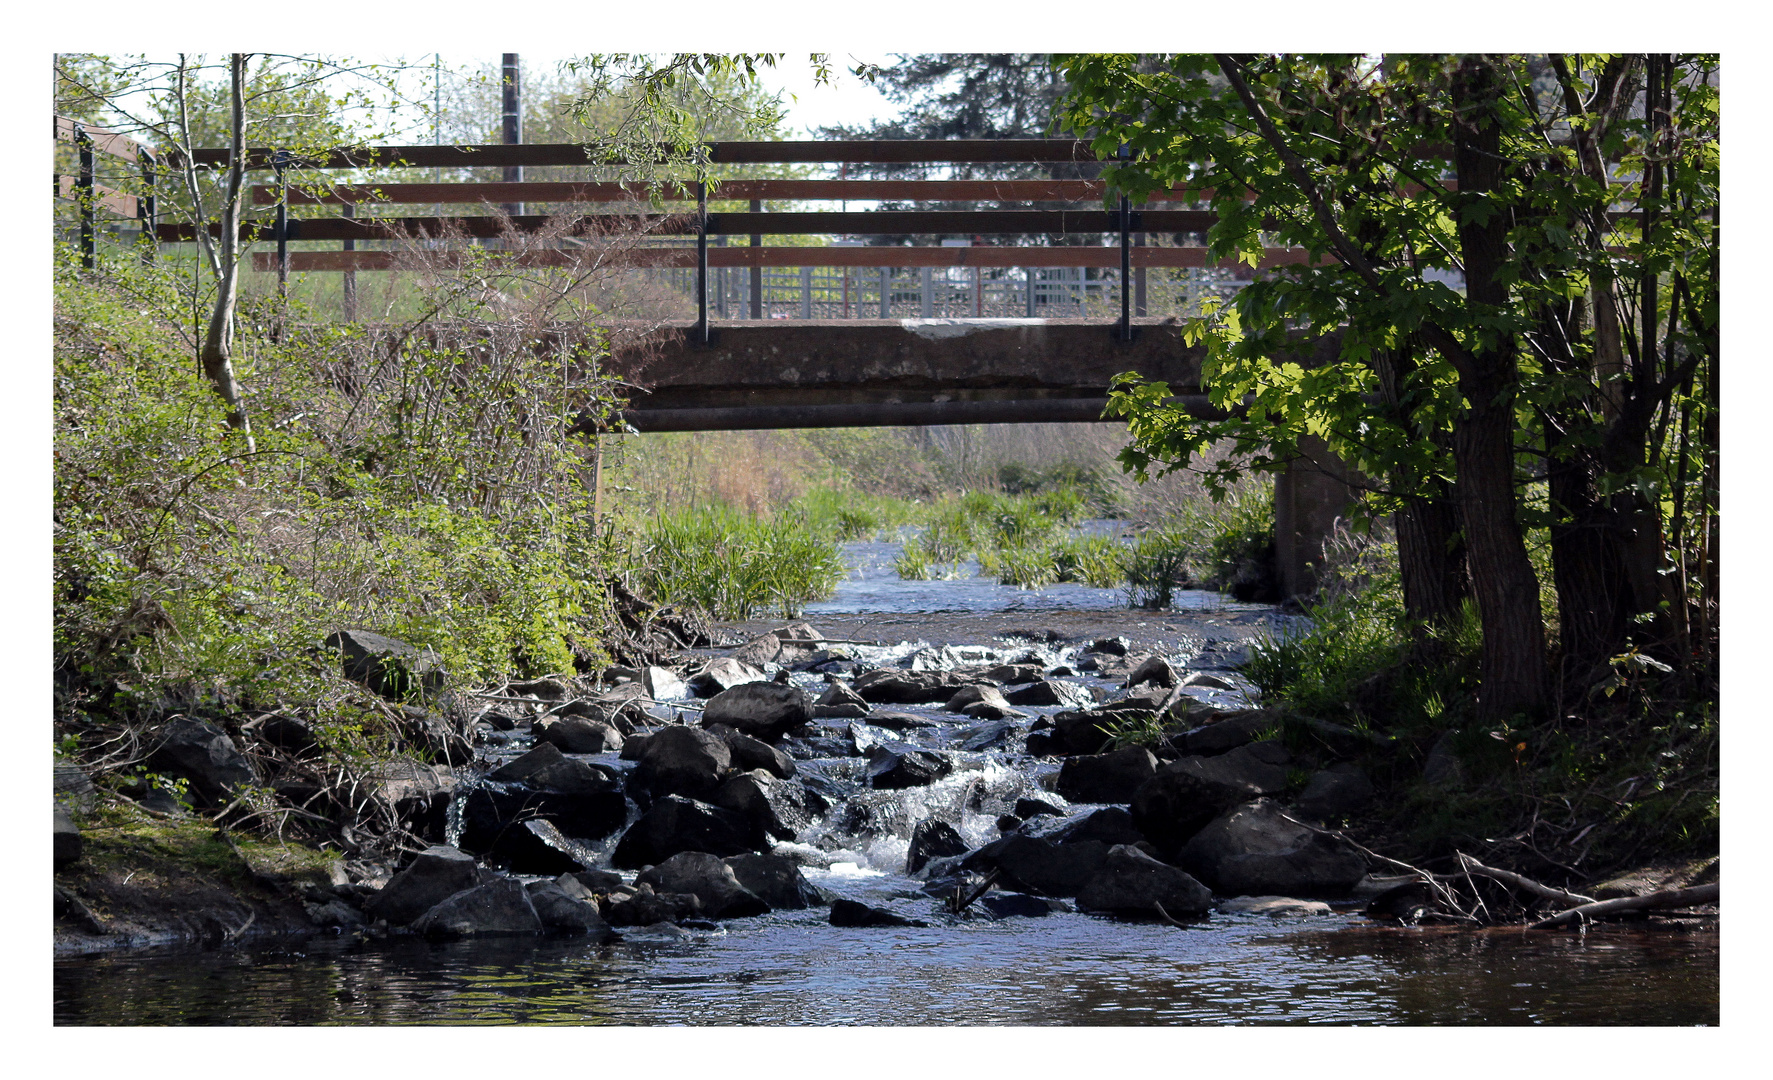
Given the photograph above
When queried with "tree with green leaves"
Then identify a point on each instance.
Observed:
(1520, 254)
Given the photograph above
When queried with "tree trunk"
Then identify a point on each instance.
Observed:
(1514, 674)
(218, 340)
(1430, 549)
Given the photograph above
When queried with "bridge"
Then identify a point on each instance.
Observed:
(1010, 318)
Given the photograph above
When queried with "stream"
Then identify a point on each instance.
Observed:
(1062, 968)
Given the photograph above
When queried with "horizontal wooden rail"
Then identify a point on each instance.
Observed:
(103, 197)
(104, 140)
(564, 191)
(855, 223)
(831, 151)
(863, 257)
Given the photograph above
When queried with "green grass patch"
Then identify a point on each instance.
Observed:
(735, 565)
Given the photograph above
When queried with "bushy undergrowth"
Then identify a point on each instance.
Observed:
(405, 486)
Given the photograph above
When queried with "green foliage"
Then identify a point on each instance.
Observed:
(1097, 561)
(735, 565)
(1134, 729)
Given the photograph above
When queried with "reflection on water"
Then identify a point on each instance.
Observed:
(1066, 969)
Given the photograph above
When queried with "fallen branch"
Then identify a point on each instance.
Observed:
(1432, 880)
(983, 888)
(1667, 898)
(1525, 884)
(1167, 917)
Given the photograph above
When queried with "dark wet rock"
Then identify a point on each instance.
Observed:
(851, 913)
(1078, 731)
(776, 880)
(885, 686)
(390, 667)
(840, 702)
(633, 746)
(1114, 646)
(1405, 903)
(73, 787)
(1042, 744)
(1036, 864)
(709, 880)
(1228, 731)
(1011, 905)
(680, 760)
(992, 734)
(1254, 850)
(773, 806)
(895, 720)
(723, 674)
(764, 710)
(1110, 825)
(1335, 792)
(489, 812)
(1185, 795)
(1028, 808)
(932, 838)
(203, 754)
(749, 753)
(562, 913)
(546, 767)
(675, 824)
(68, 842)
(499, 908)
(1051, 692)
(1154, 669)
(865, 737)
(1133, 883)
(1015, 674)
(1106, 778)
(578, 735)
(597, 881)
(760, 650)
(1007, 823)
(905, 767)
(537, 847)
(980, 694)
(434, 875)
(661, 683)
(285, 732)
(644, 907)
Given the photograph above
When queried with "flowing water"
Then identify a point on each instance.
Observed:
(1061, 968)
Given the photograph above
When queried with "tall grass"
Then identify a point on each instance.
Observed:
(736, 565)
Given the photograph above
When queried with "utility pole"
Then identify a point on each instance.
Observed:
(513, 99)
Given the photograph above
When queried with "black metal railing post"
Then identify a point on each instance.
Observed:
(756, 267)
(280, 161)
(1126, 261)
(147, 206)
(350, 273)
(702, 262)
(83, 196)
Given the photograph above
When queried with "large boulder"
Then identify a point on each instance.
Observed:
(1106, 778)
(579, 735)
(932, 838)
(681, 760)
(981, 702)
(647, 908)
(1228, 731)
(675, 824)
(1111, 825)
(1154, 669)
(723, 674)
(853, 913)
(68, 844)
(839, 702)
(1081, 731)
(904, 767)
(501, 907)
(430, 734)
(1051, 692)
(1013, 674)
(749, 753)
(547, 767)
(766, 710)
(886, 686)
(1335, 792)
(563, 913)
(489, 813)
(390, 667)
(709, 880)
(990, 735)
(1038, 865)
(1187, 793)
(203, 754)
(537, 847)
(760, 650)
(662, 684)
(436, 874)
(775, 880)
(1133, 883)
(1253, 850)
(775, 807)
